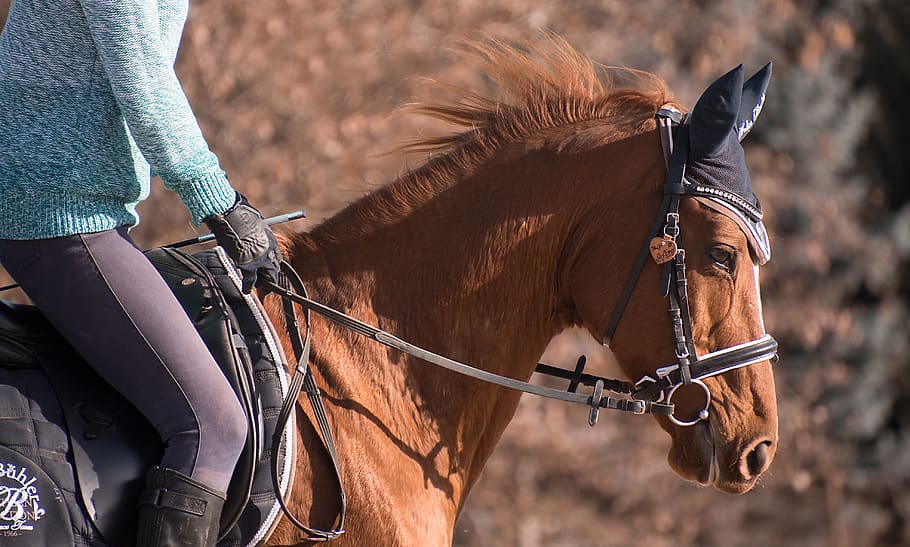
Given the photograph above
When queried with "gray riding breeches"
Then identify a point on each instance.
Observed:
(111, 305)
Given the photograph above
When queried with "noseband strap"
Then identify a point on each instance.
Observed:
(708, 365)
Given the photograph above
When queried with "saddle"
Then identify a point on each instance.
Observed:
(73, 452)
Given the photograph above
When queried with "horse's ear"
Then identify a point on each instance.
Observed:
(715, 114)
(752, 100)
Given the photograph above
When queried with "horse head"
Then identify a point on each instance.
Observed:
(527, 222)
(724, 424)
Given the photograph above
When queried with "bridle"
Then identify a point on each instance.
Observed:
(662, 247)
(650, 394)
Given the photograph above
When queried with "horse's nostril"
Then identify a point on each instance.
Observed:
(757, 460)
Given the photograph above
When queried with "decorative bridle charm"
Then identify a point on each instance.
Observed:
(663, 249)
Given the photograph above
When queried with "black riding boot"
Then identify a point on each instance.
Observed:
(176, 511)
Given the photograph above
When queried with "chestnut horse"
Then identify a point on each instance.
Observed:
(527, 223)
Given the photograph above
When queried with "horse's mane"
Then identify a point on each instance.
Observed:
(543, 85)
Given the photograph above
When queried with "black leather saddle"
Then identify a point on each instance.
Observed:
(111, 445)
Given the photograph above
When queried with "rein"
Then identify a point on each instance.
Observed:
(302, 379)
(596, 401)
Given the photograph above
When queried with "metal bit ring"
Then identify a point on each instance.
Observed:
(702, 414)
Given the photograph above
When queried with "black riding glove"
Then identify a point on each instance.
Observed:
(249, 241)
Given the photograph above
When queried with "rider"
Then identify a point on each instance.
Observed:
(88, 101)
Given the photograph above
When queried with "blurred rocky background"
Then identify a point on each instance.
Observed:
(297, 99)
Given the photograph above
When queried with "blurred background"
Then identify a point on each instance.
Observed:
(297, 98)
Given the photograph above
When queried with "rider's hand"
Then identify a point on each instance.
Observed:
(249, 241)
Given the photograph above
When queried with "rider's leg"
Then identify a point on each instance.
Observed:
(109, 302)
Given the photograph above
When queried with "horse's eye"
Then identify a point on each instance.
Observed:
(724, 257)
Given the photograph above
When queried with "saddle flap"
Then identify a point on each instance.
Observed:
(187, 280)
(113, 445)
(21, 328)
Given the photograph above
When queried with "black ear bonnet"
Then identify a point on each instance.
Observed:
(715, 170)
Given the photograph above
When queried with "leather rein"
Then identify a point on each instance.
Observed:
(650, 394)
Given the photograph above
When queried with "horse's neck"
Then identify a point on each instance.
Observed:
(471, 273)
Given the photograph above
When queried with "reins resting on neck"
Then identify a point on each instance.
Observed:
(303, 379)
(595, 401)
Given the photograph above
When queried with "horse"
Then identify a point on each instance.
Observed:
(524, 224)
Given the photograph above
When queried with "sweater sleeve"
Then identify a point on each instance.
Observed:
(139, 62)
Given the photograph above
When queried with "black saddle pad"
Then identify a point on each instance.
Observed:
(37, 491)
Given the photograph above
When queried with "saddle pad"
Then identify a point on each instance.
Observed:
(38, 494)
(269, 367)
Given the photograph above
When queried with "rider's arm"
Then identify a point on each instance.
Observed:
(137, 44)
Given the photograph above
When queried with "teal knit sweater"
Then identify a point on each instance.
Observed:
(88, 100)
